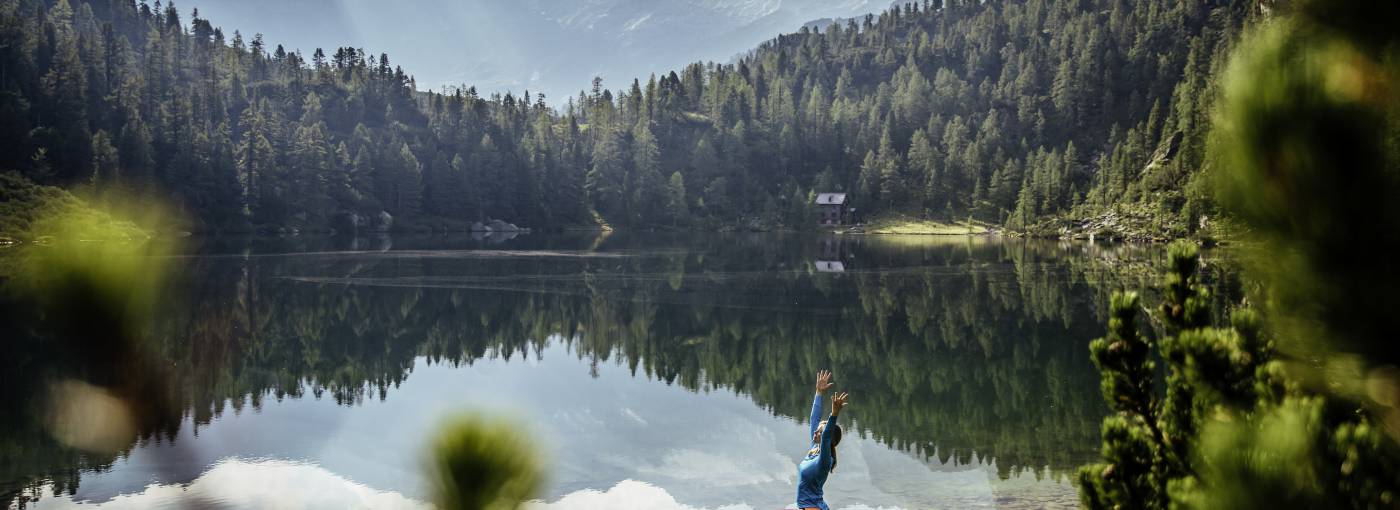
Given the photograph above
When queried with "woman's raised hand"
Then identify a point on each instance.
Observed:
(823, 381)
(839, 401)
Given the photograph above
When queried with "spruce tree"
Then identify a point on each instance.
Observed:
(648, 188)
(677, 207)
(1149, 443)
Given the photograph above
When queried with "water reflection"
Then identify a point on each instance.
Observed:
(256, 484)
(966, 353)
(614, 440)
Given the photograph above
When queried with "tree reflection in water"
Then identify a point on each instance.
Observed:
(963, 349)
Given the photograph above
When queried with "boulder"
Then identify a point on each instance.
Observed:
(383, 222)
(501, 226)
(499, 237)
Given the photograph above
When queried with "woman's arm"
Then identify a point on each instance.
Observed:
(837, 402)
(823, 384)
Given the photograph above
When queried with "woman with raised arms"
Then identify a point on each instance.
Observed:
(821, 453)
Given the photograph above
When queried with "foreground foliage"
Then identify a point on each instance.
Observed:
(1213, 374)
(477, 463)
(1301, 414)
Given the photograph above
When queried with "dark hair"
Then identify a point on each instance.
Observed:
(835, 440)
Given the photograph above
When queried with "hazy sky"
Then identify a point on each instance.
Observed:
(554, 46)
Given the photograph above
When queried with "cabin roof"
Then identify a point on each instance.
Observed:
(831, 198)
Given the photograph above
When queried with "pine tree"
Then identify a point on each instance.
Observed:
(1025, 212)
(340, 184)
(257, 168)
(407, 198)
(923, 171)
(489, 177)
(705, 163)
(362, 172)
(648, 189)
(605, 176)
(676, 202)
(310, 168)
(106, 163)
(1149, 442)
(891, 168)
(868, 186)
(459, 197)
(65, 88)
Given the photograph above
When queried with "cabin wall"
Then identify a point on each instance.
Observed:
(831, 215)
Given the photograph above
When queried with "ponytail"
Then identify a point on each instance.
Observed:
(835, 440)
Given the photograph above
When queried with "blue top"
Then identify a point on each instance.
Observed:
(811, 473)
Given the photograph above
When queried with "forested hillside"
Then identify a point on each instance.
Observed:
(1006, 111)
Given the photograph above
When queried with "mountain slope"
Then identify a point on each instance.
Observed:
(1007, 111)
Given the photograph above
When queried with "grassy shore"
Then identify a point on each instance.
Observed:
(915, 226)
(28, 212)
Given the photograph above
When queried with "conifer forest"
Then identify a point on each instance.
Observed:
(1005, 112)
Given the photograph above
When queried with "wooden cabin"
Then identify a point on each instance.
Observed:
(831, 209)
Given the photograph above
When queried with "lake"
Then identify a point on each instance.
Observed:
(657, 370)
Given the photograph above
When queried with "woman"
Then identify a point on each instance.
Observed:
(821, 458)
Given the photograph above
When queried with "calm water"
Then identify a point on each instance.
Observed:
(657, 370)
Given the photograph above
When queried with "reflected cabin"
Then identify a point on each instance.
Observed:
(832, 208)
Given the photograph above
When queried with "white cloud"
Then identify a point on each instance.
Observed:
(626, 495)
(722, 469)
(635, 495)
(637, 22)
(629, 413)
(272, 485)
